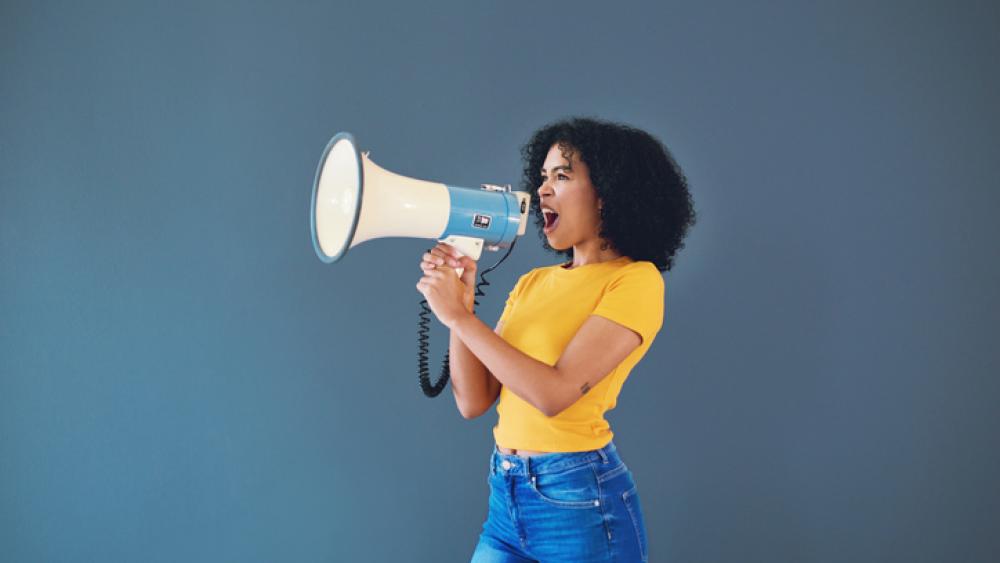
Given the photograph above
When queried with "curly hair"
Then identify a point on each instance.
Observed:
(647, 209)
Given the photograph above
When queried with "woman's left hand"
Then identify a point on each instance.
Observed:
(444, 292)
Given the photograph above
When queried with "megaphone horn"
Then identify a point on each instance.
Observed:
(355, 200)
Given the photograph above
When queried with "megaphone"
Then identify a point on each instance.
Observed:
(355, 200)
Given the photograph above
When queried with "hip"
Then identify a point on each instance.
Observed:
(585, 503)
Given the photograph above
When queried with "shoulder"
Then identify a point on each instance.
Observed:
(644, 267)
(639, 271)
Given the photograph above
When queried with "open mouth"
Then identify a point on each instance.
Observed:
(551, 221)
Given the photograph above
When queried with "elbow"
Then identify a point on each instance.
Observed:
(470, 412)
(554, 406)
(552, 410)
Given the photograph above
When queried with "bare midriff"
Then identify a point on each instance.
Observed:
(522, 453)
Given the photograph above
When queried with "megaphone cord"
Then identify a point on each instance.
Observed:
(424, 327)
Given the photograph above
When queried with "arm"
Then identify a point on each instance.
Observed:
(595, 350)
(474, 387)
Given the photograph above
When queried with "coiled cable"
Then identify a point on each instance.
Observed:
(423, 340)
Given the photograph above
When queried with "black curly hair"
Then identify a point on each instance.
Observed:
(647, 209)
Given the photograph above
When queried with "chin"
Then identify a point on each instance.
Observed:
(555, 245)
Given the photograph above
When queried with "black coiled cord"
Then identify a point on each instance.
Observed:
(422, 338)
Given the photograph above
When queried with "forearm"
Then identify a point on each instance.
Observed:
(528, 378)
(469, 378)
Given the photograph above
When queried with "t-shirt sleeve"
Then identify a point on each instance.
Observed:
(635, 300)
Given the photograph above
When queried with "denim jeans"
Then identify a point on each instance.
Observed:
(579, 506)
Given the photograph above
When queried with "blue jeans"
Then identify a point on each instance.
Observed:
(579, 507)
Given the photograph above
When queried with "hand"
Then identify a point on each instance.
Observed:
(448, 295)
(444, 255)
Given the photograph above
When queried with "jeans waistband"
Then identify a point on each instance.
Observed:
(551, 463)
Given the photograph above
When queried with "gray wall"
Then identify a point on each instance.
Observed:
(182, 380)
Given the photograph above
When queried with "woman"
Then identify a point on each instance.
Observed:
(611, 198)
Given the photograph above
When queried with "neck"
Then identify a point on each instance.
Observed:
(590, 252)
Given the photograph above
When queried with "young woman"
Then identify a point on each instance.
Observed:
(611, 198)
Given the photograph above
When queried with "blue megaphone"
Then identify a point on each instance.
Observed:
(354, 200)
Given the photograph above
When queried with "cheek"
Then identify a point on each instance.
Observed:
(585, 212)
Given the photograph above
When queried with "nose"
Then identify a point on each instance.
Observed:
(545, 189)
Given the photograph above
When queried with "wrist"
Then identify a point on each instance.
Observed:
(461, 319)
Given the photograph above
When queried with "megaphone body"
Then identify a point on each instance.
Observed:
(355, 200)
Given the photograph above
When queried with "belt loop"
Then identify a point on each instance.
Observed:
(604, 456)
(527, 467)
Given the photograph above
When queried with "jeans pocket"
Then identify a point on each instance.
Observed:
(631, 498)
(612, 473)
(574, 488)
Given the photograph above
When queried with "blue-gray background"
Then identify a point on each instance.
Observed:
(183, 380)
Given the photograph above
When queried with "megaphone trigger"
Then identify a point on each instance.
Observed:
(465, 246)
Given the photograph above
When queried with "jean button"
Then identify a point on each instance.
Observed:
(505, 465)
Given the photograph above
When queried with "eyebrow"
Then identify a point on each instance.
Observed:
(560, 167)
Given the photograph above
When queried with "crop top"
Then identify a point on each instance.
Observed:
(543, 312)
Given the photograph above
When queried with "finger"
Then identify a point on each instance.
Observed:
(430, 268)
(451, 251)
(435, 257)
(451, 257)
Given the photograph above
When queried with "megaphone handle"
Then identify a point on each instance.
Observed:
(466, 246)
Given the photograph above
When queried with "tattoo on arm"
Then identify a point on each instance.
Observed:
(585, 388)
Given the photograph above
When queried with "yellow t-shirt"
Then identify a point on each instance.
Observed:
(544, 311)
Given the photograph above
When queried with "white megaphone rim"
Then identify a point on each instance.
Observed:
(329, 259)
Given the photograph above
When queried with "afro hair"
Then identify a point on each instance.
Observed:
(647, 209)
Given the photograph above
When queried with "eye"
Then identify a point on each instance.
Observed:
(558, 177)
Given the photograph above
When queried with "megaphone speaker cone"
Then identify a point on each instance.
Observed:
(336, 198)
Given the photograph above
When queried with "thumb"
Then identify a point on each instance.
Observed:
(469, 269)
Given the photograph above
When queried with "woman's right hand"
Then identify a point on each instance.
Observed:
(445, 255)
